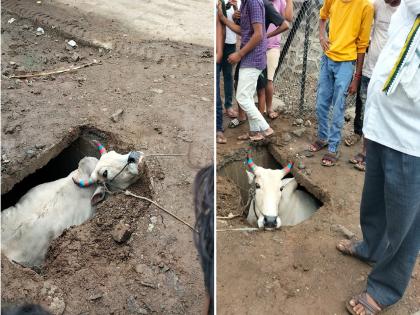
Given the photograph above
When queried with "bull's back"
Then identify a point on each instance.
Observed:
(40, 216)
(296, 206)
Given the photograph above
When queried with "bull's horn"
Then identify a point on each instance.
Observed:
(101, 148)
(84, 183)
(250, 163)
(288, 168)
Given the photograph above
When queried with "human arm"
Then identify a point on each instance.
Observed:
(288, 11)
(358, 74)
(220, 39)
(323, 39)
(252, 43)
(324, 15)
(223, 19)
(280, 29)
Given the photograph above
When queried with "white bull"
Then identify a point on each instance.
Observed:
(277, 201)
(46, 210)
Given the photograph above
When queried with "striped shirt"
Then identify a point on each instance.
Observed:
(252, 11)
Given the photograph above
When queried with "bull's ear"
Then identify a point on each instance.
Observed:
(98, 196)
(86, 166)
(250, 176)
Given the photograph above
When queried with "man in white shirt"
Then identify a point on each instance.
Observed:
(379, 37)
(390, 207)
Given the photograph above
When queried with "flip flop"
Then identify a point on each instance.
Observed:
(317, 146)
(273, 115)
(352, 139)
(358, 158)
(329, 157)
(362, 299)
(243, 137)
(256, 138)
(236, 123)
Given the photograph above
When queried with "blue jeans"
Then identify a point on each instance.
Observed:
(334, 80)
(219, 108)
(390, 220)
(227, 74)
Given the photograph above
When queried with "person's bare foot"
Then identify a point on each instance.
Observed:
(220, 138)
(269, 132)
(231, 113)
(364, 304)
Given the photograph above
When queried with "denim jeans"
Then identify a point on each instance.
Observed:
(334, 80)
(390, 220)
(219, 109)
(227, 74)
(360, 105)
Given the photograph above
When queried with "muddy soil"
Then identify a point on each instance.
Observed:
(297, 270)
(164, 90)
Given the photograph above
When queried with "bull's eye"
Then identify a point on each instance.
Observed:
(257, 185)
(281, 188)
(105, 174)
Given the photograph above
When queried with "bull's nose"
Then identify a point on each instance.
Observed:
(270, 221)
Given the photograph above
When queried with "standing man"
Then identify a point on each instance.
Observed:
(229, 48)
(265, 94)
(349, 31)
(390, 207)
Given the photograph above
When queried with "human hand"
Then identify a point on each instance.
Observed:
(220, 14)
(236, 15)
(353, 86)
(234, 58)
(325, 43)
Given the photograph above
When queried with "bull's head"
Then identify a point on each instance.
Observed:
(268, 190)
(118, 171)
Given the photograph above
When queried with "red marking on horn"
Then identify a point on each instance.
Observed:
(250, 163)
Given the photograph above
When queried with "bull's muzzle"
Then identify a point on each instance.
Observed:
(270, 222)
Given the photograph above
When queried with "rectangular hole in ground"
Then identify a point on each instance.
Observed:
(58, 167)
(234, 169)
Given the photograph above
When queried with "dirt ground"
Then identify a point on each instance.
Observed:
(165, 90)
(296, 270)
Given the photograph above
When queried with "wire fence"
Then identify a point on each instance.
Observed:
(296, 79)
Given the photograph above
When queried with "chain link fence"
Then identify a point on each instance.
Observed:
(296, 78)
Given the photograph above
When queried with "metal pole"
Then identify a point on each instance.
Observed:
(304, 64)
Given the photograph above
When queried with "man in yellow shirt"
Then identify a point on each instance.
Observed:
(350, 22)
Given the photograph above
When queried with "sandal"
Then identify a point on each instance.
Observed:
(358, 158)
(348, 247)
(352, 139)
(329, 157)
(360, 166)
(236, 123)
(220, 138)
(368, 308)
(243, 137)
(257, 137)
(268, 133)
(273, 115)
(317, 146)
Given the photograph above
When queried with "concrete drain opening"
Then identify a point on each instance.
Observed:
(233, 185)
(60, 166)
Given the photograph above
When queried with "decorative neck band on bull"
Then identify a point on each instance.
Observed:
(101, 148)
(89, 182)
